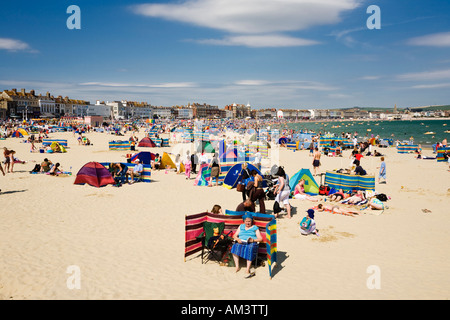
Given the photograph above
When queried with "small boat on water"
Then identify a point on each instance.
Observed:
(430, 132)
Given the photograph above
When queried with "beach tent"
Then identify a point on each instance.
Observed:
(54, 146)
(17, 134)
(311, 186)
(94, 174)
(166, 160)
(22, 131)
(145, 156)
(233, 176)
(147, 142)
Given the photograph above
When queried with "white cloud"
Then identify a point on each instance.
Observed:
(432, 40)
(259, 41)
(287, 84)
(370, 78)
(13, 45)
(251, 16)
(432, 86)
(426, 75)
(253, 23)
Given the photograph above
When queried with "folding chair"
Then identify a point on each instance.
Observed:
(214, 241)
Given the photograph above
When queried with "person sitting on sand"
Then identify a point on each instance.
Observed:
(359, 170)
(375, 204)
(119, 171)
(46, 165)
(308, 224)
(55, 170)
(299, 192)
(247, 237)
(418, 151)
(216, 209)
(156, 163)
(137, 170)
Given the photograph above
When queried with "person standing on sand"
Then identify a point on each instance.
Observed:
(382, 173)
(316, 160)
(187, 166)
(9, 159)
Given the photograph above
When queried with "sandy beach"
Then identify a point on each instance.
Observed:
(128, 242)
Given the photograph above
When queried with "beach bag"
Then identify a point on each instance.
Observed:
(305, 223)
(36, 168)
(240, 187)
(324, 190)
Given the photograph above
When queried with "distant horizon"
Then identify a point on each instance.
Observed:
(291, 54)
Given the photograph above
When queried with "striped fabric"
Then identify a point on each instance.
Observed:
(440, 154)
(406, 148)
(266, 224)
(293, 145)
(348, 182)
(261, 146)
(48, 142)
(326, 141)
(119, 145)
(271, 244)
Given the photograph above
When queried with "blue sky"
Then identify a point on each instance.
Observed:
(269, 53)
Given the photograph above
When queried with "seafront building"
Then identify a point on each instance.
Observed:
(20, 104)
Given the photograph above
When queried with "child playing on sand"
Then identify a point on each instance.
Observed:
(382, 173)
(308, 225)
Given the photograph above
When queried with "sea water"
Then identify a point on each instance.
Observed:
(424, 132)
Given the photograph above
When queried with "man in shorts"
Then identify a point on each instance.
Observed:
(316, 160)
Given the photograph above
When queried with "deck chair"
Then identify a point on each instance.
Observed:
(214, 242)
